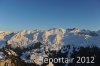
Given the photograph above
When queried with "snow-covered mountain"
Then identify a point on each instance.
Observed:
(56, 39)
(52, 36)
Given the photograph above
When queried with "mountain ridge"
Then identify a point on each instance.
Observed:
(53, 36)
(30, 45)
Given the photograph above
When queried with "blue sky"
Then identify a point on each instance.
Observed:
(17, 15)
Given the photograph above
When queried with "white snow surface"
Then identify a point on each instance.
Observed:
(56, 36)
(2, 44)
(52, 39)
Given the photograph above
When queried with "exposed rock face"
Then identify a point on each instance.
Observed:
(11, 61)
(25, 47)
(53, 36)
(24, 38)
(5, 62)
(14, 61)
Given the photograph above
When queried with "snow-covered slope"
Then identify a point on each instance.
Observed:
(2, 43)
(55, 36)
(56, 39)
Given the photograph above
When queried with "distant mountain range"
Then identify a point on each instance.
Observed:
(30, 45)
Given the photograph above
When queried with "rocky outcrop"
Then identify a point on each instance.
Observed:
(25, 47)
(11, 61)
(6, 62)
